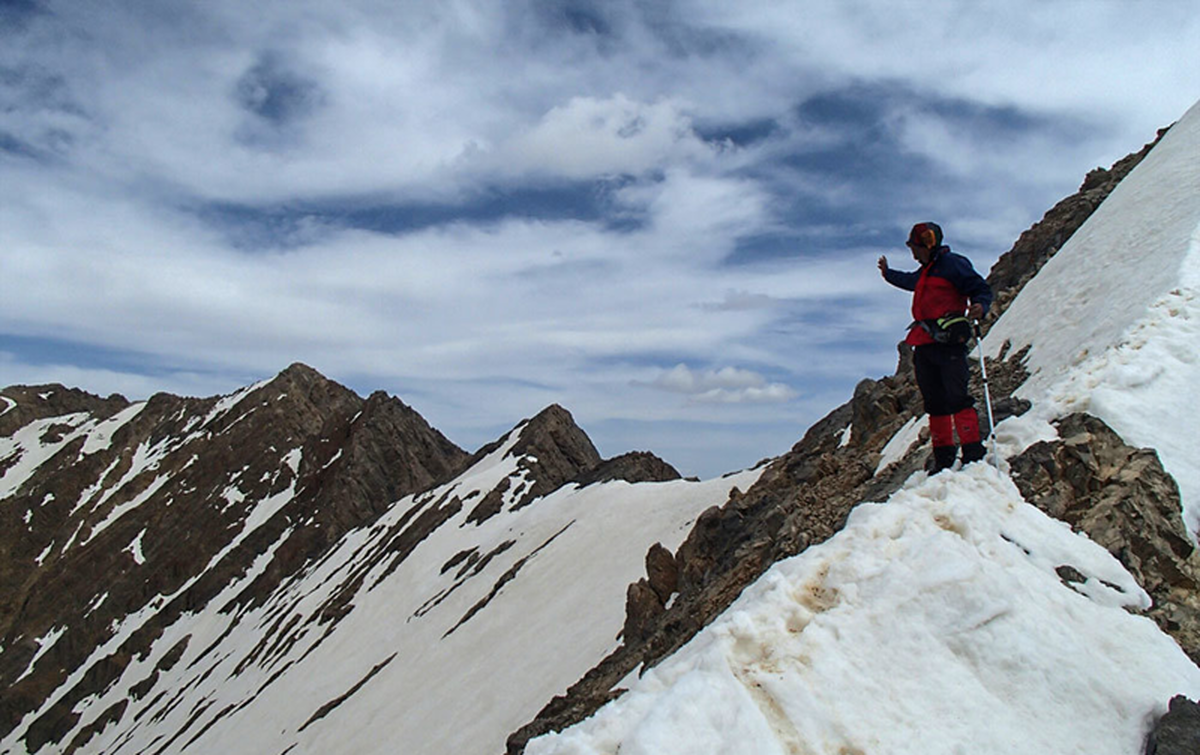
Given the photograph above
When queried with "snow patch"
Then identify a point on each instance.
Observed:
(121, 509)
(145, 458)
(900, 443)
(100, 439)
(227, 403)
(292, 460)
(135, 548)
(96, 604)
(30, 452)
(232, 496)
(44, 644)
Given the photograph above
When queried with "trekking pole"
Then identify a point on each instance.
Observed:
(987, 397)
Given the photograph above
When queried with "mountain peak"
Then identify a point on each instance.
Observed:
(554, 449)
(300, 374)
(554, 429)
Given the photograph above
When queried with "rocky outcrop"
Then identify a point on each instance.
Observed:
(29, 403)
(552, 451)
(636, 466)
(550, 448)
(1123, 499)
(647, 599)
(1178, 731)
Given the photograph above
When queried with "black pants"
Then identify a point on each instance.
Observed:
(943, 377)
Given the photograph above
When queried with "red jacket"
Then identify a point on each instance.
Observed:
(940, 288)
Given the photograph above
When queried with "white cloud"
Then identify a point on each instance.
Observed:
(588, 137)
(727, 385)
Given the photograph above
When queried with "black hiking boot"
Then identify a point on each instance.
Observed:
(943, 458)
(973, 452)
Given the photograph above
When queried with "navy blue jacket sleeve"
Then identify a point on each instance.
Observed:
(906, 281)
(958, 270)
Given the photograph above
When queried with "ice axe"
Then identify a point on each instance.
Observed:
(987, 397)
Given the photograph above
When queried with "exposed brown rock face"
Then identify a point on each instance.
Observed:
(39, 402)
(1123, 499)
(646, 599)
(554, 451)
(184, 496)
(636, 466)
(804, 497)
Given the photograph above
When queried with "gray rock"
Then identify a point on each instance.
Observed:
(1178, 731)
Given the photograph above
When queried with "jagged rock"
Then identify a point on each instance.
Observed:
(1123, 499)
(41, 401)
(551, 451)
(662, 571)
(1010, 406)
(881, 406)
(646, 599)
(491, 504)
(642, 606)
(636, 466)
(554, 450)
(1178, 731)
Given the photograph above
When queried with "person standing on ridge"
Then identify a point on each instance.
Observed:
(946, 291)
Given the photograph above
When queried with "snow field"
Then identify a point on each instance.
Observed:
(1114, 316)
(933, 624)
(542, 631)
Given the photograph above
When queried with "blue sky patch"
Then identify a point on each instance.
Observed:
(292, 225)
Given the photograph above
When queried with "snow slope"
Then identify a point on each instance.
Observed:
(1114, 317)
(934, 623)
(937, 623)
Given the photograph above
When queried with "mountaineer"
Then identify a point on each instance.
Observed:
(946, 292)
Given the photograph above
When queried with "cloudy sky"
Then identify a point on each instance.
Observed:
(661, 214)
